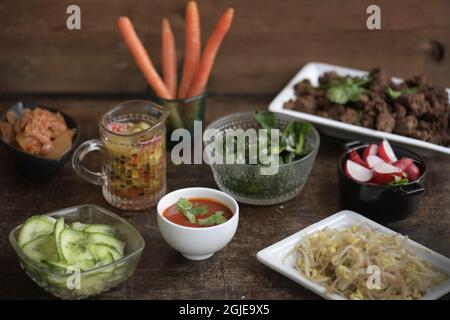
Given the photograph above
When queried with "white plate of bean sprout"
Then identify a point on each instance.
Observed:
(347, 256)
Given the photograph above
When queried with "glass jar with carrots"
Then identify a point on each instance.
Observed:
(184, 99)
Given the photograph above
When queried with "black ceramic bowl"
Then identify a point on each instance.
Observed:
(35, 166)
(378, 202)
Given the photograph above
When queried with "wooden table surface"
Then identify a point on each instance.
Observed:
(232, 273)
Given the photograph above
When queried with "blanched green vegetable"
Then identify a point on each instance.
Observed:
(265, 119)
(292, 138)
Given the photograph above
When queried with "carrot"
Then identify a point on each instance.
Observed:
(210, 53)
(141, 57)
(169, 58)
(192, 47)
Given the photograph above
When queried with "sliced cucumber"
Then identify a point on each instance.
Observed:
(59, 227)
(74, 246)
(106, 275)
(100, 251)
(100, 238)
(34, 227)
(57, 280)
(107, 259)
(91, 285)
(58, 266)
(41, 249)
(49, 219)
(86, 264)
(78, 226)
(100, 228)
(60, 248)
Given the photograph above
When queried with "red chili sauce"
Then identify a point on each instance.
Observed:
(172, 214)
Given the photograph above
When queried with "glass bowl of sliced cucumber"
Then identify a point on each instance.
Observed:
(77, 252)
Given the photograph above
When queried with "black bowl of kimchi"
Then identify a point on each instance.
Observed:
(36, 166)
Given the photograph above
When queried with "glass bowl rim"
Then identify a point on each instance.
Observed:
(18, 250)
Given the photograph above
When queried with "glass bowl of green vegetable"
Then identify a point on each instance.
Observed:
(261, 157)
(77, 252)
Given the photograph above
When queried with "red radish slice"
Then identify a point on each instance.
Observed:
(383, 179)
(372, 161)
(354, 156)
(371, 150)
(386, 153)
(357, 171)
(413, 172)
(403, 163)
(384, 167)
(384, 173)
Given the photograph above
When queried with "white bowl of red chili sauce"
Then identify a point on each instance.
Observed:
(197, 222)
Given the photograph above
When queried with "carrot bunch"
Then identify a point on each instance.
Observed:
(196, 66)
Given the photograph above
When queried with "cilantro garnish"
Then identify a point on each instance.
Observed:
(348, 90)
(399, 181)
(199, 210)
(185, 206)
(214, 219)
(394, 94)
(187, 209)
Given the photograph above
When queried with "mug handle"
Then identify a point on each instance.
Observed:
(80, 153)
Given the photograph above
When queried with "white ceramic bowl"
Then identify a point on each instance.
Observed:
(197, 243)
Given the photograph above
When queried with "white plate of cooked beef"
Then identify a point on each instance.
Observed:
(420, 136)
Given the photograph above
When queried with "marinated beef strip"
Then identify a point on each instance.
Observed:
(413, 108)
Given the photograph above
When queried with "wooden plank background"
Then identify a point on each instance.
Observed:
(268, 43)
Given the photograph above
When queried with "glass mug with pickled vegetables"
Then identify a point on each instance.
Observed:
(132, 140)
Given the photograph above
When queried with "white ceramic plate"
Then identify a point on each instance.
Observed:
(339, 129)
(279, 258)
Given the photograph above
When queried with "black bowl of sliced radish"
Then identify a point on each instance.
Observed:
(380, 181)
